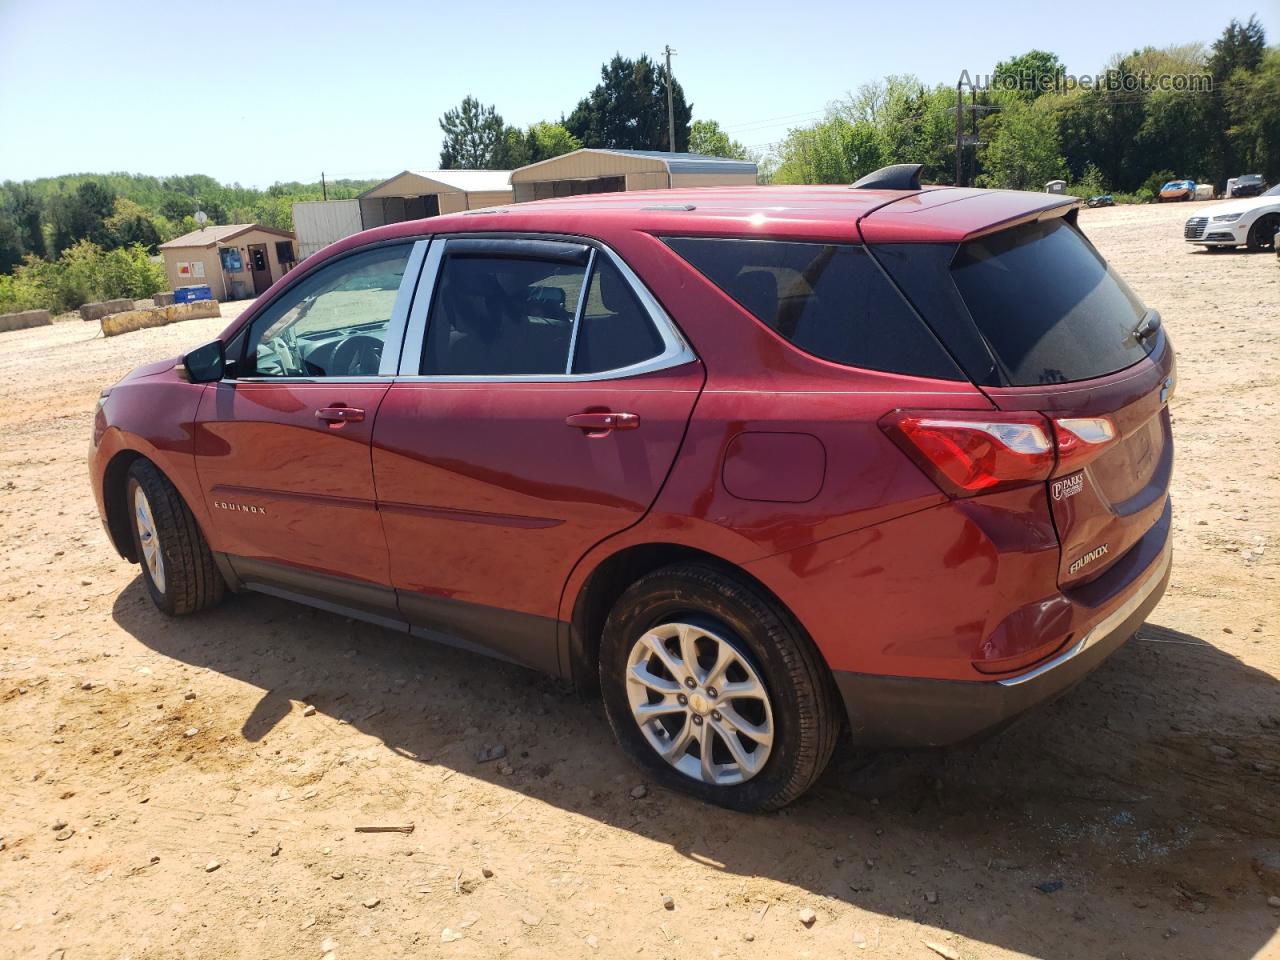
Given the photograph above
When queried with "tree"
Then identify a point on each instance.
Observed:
(11, 249)
(1241, 47)
(81, 215)
(1234, 55)
(1029, 75)
(1024, 153)
(547, 140)
(24, 208)
(472, 133)
(175, 206)
(628, 109)
(1254, 106)
(834, 150)
(707, 138)
(511, 150)
(130, 225)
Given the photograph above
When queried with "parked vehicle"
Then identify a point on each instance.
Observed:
(1178, 190)
(757, 464)
(1248, 185)
(1102, 200)
(1252, 221)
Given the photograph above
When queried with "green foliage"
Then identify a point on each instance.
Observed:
(1157, 180)
(1024, 153)
(706, 137)
(472, 133)
(84, 273)
(10, 243)
(81, 215)
(1120, 139)
(628, 108)
(129, 225)
(477, 138)
(547, 140)
(1029, 75)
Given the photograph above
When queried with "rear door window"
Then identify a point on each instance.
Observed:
(502, 316)
(1048, 305)
(830, 300)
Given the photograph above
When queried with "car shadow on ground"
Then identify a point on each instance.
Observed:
(1142, 794)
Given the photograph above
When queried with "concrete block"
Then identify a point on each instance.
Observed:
(96, 311)
(163, 299)
(117, 323)
(27, 318)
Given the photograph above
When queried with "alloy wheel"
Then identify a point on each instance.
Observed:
(700, 703)
(148, 538)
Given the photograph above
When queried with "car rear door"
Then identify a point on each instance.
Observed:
(543, 396)
(282, 444)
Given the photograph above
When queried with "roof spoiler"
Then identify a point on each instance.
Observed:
(898, 176)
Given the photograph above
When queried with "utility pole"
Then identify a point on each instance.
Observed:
(324, 188)
(671, 110)
(959, 133)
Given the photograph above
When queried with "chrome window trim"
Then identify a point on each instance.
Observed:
(415, 330)
(676, 350)
(394, 340)
(577, 312)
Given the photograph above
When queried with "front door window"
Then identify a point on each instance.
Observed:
(333, 323)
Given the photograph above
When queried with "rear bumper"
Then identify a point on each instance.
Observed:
(889, 712)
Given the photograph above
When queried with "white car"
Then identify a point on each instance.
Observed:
(1249, 220)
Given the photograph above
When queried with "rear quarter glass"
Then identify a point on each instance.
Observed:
(832, 301)
(1030, 306)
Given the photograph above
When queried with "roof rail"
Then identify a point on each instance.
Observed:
(898, 176)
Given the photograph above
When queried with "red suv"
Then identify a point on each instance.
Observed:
(760, 464)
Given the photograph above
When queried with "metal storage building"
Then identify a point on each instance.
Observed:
(599, 170)
(410, 195)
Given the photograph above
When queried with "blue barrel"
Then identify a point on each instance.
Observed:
(192, 293)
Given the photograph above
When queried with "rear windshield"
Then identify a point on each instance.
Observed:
(830, 300)
(1048, 305)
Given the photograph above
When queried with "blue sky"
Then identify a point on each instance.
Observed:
(281, 91)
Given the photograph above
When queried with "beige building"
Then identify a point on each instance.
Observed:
(412, 195)
(597, 170)
(237, 260)
(415, 194)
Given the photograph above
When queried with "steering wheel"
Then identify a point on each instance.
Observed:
(358, 356)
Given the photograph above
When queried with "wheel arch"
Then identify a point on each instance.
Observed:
(115, 482)
(611, 577)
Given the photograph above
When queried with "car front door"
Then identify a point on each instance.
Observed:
(282, 444)
(542, 399)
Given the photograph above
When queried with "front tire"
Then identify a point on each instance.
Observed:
(177, 565)
(713, 689)
(1262, 235)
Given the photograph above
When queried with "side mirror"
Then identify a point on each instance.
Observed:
(204, 364)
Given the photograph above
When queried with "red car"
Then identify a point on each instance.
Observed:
(762, 465)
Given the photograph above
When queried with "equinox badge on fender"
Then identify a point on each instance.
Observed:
(1088, 558)
(239, 507)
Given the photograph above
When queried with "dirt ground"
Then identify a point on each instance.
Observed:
(165, 792)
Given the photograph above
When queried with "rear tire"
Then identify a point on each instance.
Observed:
(177, 565)
(1262, 235)
(772, 696)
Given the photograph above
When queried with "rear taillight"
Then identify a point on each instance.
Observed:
(1080, 439)
(968, 453)
(971, 453)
